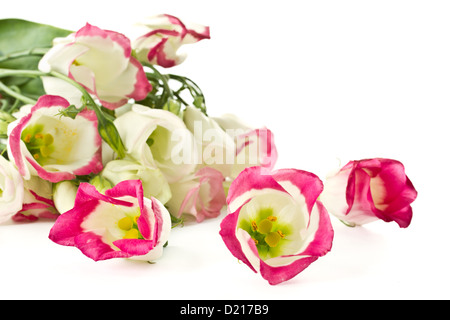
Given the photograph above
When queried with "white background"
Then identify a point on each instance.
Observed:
(334, 81)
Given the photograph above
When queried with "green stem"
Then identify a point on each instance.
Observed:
(23, 73)
(83, 91)
(105, 126)
(162, 78)
(24, 53)
(15, 94)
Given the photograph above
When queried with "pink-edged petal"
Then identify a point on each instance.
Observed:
(250, 181)
(89, 32)
(92, 245)
(323, 232)
(132, 84)
(277, 275)
(134, 247)
(15, 146)
(217, 200)
(299, 182)
(141, 85)
(60, 58)
(62, 169)
(228, 234)
(20, 217)
(68, 225)
(50, 176)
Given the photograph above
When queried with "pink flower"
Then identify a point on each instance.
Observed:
(121, 223)
(101, 61)
(200, 195)
(37, 201)
(55, 147)
(367, 190)
(167, 35)
(275, 224)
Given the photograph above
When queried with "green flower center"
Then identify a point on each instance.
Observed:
(268, 233)
(39, 144)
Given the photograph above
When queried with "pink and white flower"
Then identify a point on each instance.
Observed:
(11, 190)
(121, 223)
(229, 145)
(54, 147)
(168, 33)
(200, 195)
(37, 201)
(368, 190)
(275, 224)
(101, 61)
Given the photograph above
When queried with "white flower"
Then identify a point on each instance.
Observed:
(158, 138)
(153, 181)
(11, 190)
(64, 193)
(217, 147)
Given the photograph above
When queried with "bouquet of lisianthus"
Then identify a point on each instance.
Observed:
(98, 137)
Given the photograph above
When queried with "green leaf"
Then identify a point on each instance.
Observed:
(20, 35)
(18, 39)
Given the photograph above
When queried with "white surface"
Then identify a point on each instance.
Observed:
(334, 80)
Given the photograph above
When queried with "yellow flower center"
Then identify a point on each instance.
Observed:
(262, 233)
(130, 226)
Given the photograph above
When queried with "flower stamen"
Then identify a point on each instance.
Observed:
(272, 239)
(125, 223)
(265, 226)
(27, 138)
(131, 234)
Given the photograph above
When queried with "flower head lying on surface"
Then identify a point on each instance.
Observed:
(168, 33)
(368, 190)
(101, 61)
(275, 224)
(121, 223)
(54, 148)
